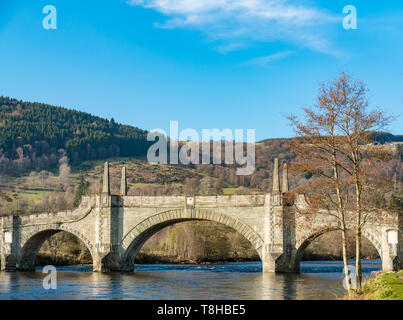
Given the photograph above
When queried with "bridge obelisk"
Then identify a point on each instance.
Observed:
(105, 181)
(123, 183)
(276, 184)
(285, 185)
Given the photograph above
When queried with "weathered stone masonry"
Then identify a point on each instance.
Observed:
(115, 227)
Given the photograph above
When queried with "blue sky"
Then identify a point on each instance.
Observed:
(235, 64)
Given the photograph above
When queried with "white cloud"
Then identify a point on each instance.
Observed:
(262, 61)
(237, 23)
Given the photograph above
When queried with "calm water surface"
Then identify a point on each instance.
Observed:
(318, 280)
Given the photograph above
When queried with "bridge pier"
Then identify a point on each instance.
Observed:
(98, 264)
(279, 231)
(391, 251)
(9, 263)
(390, 263)
(10, 243)
(269, 262)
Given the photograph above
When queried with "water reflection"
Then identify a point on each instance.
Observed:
(229, 281)
(269, 287)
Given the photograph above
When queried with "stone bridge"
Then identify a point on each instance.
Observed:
(115, 227)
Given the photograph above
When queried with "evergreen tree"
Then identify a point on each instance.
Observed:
(81, 190)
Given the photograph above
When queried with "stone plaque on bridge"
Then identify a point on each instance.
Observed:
(8, 237)
(393, 237)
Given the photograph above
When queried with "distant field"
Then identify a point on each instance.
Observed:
(229, 191)
(29, 194)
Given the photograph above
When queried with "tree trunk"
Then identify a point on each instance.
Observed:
(342, 217)
(358, 239)
(345, 259)
(358, 258)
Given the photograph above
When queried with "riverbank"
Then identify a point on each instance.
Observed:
(44, 259)
(71, 260)
(65, 259)
(386, 286)
(161, 259)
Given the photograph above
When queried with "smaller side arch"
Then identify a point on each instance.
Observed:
(307, 240)
(377, 243)
(304, 243)
(33, 241)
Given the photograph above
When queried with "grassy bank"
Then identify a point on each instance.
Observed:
(386, 286)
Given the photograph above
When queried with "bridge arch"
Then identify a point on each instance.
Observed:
(138, 236)
(33, 241)
(306, 240)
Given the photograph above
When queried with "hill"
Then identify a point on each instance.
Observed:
(385, 137)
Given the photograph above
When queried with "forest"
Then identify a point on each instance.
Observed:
(32, 135)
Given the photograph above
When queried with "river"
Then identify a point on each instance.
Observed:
(317, 280)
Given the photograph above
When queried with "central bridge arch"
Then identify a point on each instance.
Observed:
(138, 236)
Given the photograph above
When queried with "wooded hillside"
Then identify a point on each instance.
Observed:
(32, 133)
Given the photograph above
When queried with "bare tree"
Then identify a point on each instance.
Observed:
(356, 123)
(335, 138)
(316, 146)
(55, 244)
